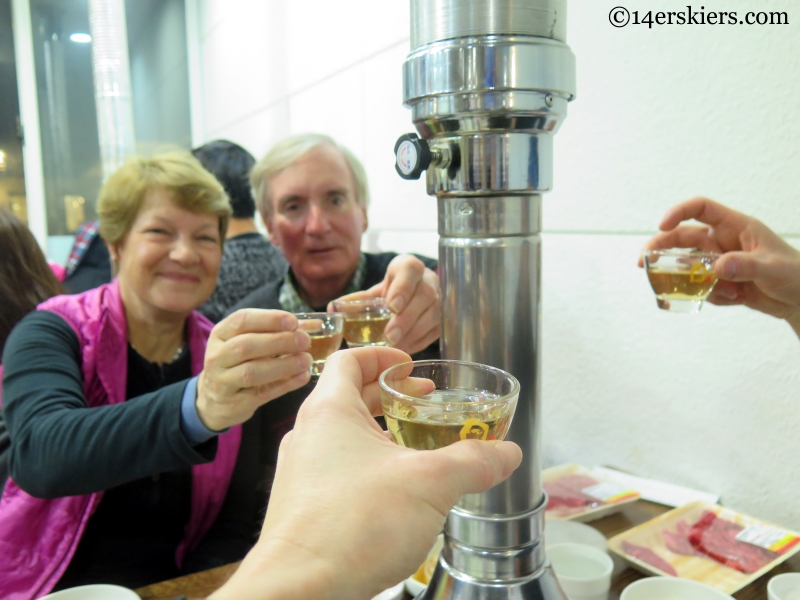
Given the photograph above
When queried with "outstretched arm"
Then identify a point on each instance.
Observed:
(351, 513)
(759, 269)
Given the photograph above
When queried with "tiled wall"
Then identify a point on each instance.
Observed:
(709, 400)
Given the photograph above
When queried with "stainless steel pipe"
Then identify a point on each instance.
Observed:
(488, 82)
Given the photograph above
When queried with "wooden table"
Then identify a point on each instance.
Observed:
(202, 584)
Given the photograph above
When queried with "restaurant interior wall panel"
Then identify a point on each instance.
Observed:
(324, 108)
(671, 112)
(243, 69)
(212, 12)
(322, 38)
(258, 131)
(398, 204)
(708, 400)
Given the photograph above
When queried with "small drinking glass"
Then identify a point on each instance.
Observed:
(681, 278)
(325, 330)
(433, 403)
(364, 321)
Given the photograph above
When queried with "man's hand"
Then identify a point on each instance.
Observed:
(351, 513)
(252, 357)
(758, 269)
(412, 293)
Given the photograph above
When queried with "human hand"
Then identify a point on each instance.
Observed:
(758, 268)
(352, 513)
(412, 293)
(253, 356)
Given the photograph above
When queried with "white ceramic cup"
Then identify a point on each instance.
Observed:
(671, 588)
(570, 532)
(784, 587)
(94, 592)
(583, 572)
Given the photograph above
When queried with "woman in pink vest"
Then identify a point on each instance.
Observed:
(123, 406)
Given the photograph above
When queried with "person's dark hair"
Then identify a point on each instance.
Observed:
(26, 279)
(230, 164)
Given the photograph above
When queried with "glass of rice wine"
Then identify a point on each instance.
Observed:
(325, 330)
(364, 321)
(434, 403)
(682, 279)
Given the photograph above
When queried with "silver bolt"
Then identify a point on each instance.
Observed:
(549, 100)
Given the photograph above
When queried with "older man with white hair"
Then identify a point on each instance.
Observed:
(313, 196)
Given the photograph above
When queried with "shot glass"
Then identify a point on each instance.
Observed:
(434, 403)
(364, 321)
(681, 278)
(325, 330)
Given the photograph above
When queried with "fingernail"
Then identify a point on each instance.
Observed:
(289, 322)
(397, 304)
(304, 361)
(302, 340)
(393, 336)
(730, 268)
(727, 293)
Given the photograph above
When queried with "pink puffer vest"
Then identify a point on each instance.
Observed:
(38, 537)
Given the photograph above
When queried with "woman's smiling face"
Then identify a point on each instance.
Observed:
(168, 261)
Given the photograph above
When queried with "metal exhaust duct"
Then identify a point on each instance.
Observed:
(488, 82)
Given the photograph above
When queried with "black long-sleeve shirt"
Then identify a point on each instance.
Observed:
(135, 451)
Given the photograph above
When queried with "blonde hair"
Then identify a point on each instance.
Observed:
(288, 151)
(181, 175)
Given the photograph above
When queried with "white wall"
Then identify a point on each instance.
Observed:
(709, 400)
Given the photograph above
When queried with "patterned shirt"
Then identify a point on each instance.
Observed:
(83, 239)
(248, 262)
(292, 302)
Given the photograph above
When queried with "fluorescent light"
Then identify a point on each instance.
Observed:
(81, 38)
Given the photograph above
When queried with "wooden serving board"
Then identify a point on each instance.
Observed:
(698, 568)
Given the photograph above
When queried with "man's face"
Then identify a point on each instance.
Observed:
(315, 218)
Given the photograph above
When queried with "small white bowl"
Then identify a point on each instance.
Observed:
(570, 532)
(671, 588)
(94, 592)
(393, 593)
(583, 572)
(784, 587)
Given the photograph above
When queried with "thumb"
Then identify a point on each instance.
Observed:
(738, 266)
(472, 466)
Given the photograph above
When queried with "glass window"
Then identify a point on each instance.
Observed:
(12, 181)
(67, 112)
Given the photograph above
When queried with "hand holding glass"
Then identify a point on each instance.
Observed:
(325, 330)
(364, 321)
(434, 403)
(681, 279)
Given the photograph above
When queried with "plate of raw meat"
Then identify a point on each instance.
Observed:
(706, 543)
(577, 494)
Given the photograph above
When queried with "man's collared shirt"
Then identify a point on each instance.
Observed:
(292, 302)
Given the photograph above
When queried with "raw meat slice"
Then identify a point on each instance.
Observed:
(716, 538)
(678, 541)
(648, 556)
(565, 497)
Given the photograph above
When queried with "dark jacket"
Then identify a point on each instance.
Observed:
(239, 522)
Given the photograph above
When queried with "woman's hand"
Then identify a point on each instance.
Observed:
(252, 357)
(352, 513)
(412, 293)
(759, 269)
